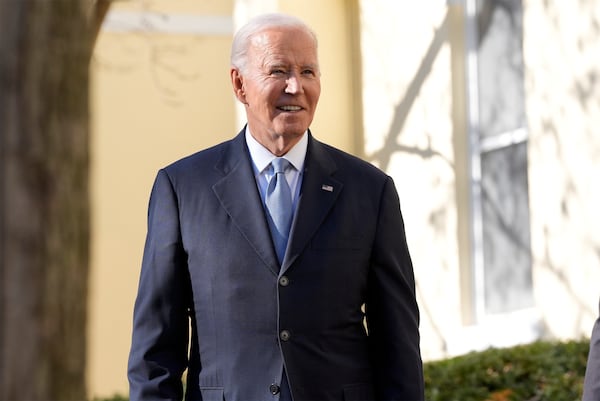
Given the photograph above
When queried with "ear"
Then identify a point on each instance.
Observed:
(237, 82)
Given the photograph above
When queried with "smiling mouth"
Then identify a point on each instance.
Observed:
(290, 108)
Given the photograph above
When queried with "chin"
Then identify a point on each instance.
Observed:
(291, 124)
(292, 130)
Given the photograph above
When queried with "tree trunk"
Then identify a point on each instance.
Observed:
(45, 48)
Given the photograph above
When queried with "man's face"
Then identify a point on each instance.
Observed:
(280, 86)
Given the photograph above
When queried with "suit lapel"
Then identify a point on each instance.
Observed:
(245, 211)
(318, 194)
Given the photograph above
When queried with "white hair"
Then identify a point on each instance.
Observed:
(243, 37)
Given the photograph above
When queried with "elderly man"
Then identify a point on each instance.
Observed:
(269, 251)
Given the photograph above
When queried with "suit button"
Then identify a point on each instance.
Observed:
(284, 335)
(284, 281)
(274, 389)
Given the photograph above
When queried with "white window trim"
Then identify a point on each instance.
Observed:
(488, 330)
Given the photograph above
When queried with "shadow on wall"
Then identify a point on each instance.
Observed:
(584, 88)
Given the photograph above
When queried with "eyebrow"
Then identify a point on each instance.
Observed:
(278, 63)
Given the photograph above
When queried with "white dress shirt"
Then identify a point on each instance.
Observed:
(261, 159)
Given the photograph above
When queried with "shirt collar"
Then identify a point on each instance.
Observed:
(261, 157)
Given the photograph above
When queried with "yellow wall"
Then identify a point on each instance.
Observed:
(157, 97)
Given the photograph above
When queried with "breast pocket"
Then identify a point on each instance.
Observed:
(343, 233)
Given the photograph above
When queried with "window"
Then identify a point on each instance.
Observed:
(502, 264)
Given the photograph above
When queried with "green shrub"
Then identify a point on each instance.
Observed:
(541, 371)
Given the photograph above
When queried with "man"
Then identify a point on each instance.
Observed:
(276, 313)
(591, 384)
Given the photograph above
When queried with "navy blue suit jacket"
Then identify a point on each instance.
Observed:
(209, 265)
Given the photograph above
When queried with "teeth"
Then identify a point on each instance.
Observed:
(290, 108)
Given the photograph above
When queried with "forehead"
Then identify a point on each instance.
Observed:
(283, 45)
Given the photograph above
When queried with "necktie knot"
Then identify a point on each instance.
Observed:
(280, 165)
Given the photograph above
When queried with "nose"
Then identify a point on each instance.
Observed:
(293, 85)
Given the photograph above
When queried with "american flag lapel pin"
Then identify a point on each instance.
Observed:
(327, 188)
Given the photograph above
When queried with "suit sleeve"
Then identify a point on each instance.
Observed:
(591, 384)
(391, 308)
(158, 353)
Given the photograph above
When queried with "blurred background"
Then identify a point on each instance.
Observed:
(485, 113)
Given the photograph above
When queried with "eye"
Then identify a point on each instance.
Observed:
(277, 71)
(308, 71)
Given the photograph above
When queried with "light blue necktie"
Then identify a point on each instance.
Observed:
(279, 205)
